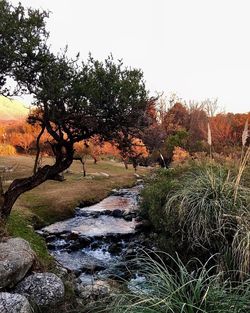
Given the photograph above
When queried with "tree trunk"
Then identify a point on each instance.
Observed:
(38, 149)
(19, 186)
(1, 192)
(134, 162)
(83, 164)
(125, 164)
(83, 169)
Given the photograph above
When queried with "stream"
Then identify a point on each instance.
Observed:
(97, 241)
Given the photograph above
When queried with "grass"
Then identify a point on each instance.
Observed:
(204, 199)
(20, 226)
(165, 290)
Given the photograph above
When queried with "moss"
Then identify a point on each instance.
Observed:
(19, 225)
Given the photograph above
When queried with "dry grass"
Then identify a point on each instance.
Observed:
(53, 201)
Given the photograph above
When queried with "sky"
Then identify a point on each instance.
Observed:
(197, 49)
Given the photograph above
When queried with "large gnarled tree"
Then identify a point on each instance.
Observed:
(75, 100)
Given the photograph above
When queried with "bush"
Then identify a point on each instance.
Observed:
(154, 196)
(6, 149)
(180, 155)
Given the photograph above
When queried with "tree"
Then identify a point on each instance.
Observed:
(82, 150)
(138, 152)
(77, 100)
(179, 139)
(176, 118)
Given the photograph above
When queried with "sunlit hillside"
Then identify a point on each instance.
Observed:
(12, 109)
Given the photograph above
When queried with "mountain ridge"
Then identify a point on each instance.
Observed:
(12, 110)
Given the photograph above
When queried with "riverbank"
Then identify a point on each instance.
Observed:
(55, 201)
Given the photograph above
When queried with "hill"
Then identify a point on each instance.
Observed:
(12, 110)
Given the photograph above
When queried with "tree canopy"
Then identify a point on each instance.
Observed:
(22, 38)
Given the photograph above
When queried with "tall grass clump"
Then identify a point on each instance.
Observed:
(241, 247)
(205, 204)
(165, 290)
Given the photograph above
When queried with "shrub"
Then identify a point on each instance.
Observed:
(6, 149)
(180, 155)
(154, 196)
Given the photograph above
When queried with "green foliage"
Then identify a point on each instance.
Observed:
(181, 291)
(94, 98)
(241, 246)
(22, 38)
(154, 196)
(179, 139)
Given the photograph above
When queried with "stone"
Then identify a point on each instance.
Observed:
(91, 288)
(16, 258)
(138, 219)
(51, 238)
(42, 289)
(115, 248)
(84, 240)
(61, 272)
(85, 203)
(143, 226)
(117, 213)
(96, 244)
(75, 246)
(73, 235)
(128, 217)
(96, 214)
(14, 303)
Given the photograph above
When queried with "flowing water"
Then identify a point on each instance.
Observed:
(99, 237)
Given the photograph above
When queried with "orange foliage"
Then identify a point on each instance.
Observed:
(226, 132)
(6, 149)
(138, 149)
(21, 135)
(180, 155)
(227, 129)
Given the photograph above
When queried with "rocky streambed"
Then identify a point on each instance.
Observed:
(96, 243)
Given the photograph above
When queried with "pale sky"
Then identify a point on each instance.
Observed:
(197, 49)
